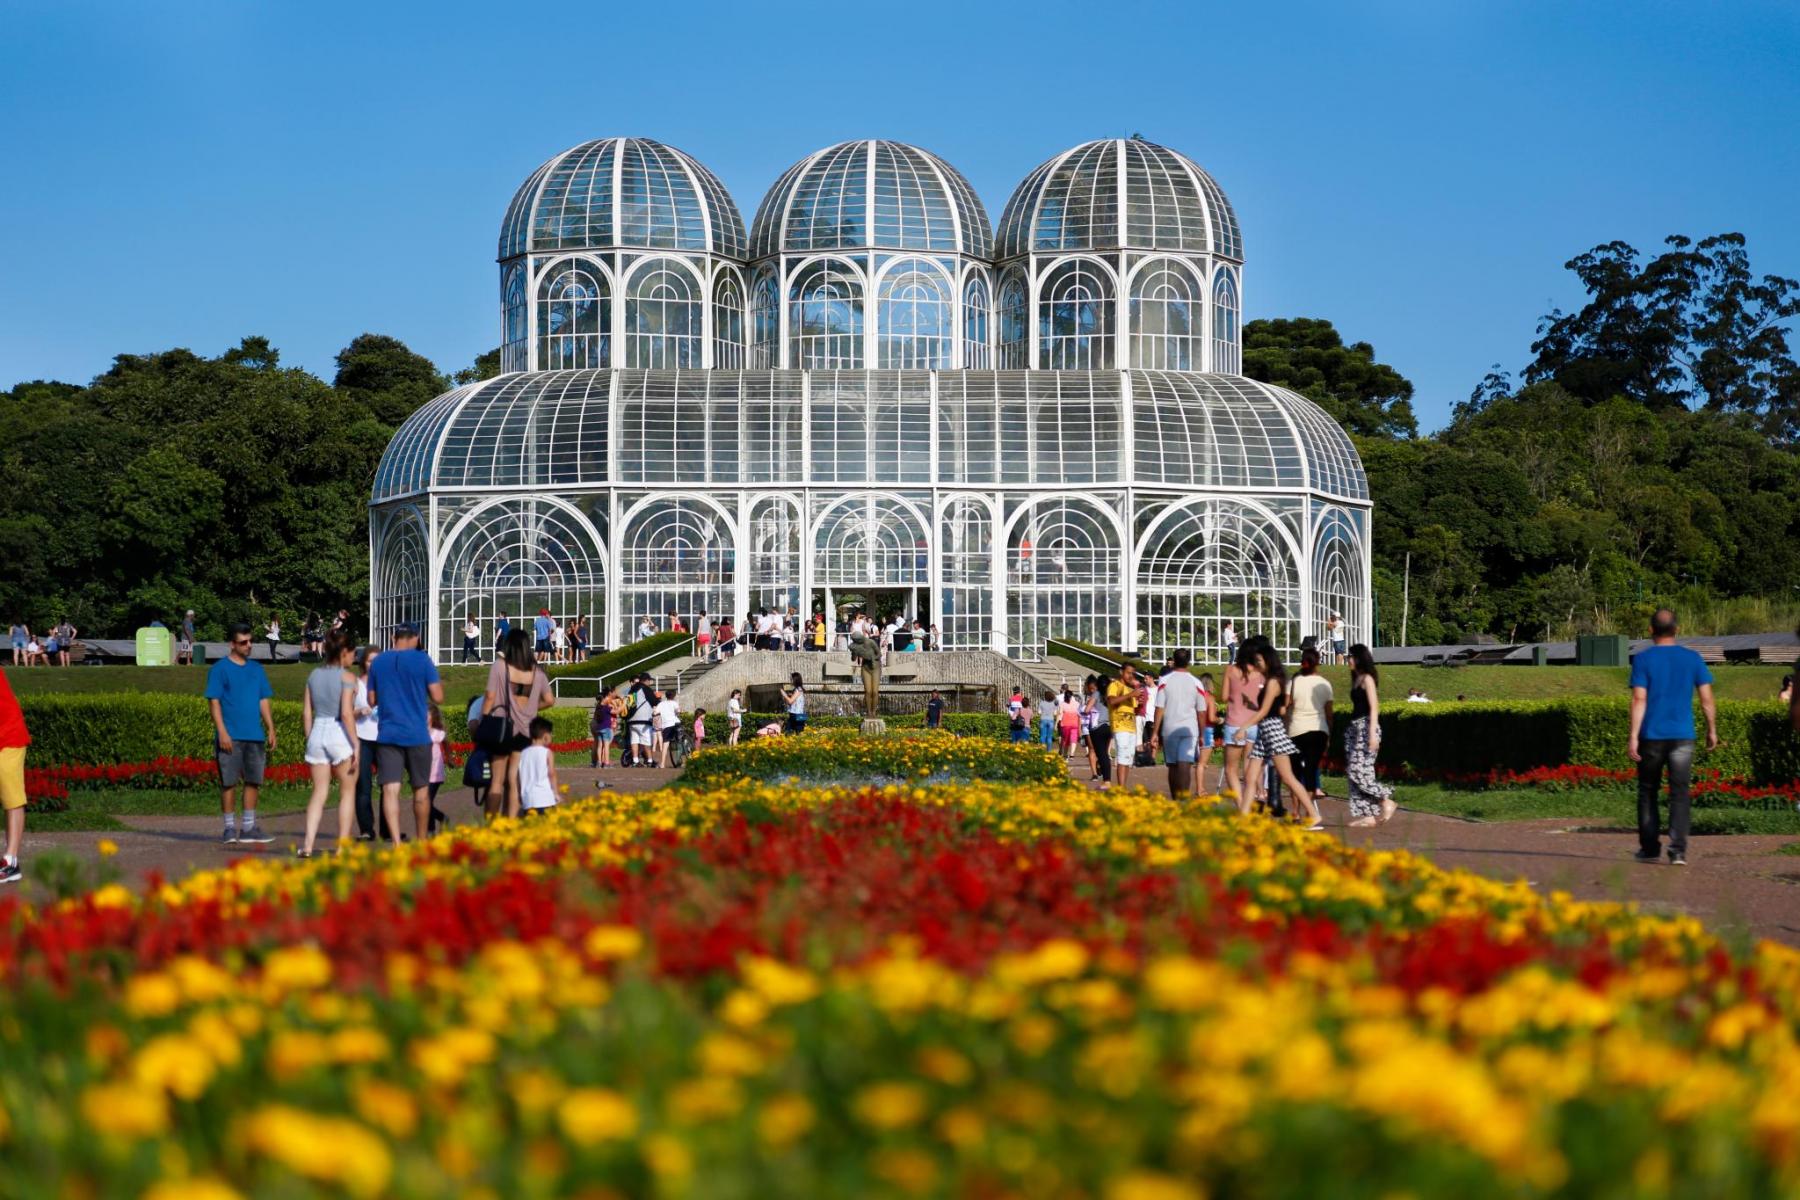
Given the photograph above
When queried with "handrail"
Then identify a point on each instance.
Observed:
(600, 681)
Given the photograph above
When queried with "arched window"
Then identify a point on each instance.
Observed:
(826, 323)
(662, 315)
(1210, 562)
(513, 316)
(915, 324)
(765, 321)
(516, 557)
(1062, 576)
(1075, 318)
(1165, 318)
(976, 353)
(574, 318)
(776, 534)
(728, 322)
(402, 572)
(1226, 351)
(1337, 577)
(1015, 351)
(676, 555)
(870, 541)
(966, 558)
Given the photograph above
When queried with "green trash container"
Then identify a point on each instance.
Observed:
(199, 654)
(1601, 650)
(1540, 655)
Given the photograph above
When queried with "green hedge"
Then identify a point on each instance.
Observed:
(994, 725)
(1096, 658)
(643, 655)
(843, 756)
(1756, 742)
(124, 727)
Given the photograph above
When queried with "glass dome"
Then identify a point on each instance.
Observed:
(1072, 202)
(871, 194)
(553, 429)
(630, 193)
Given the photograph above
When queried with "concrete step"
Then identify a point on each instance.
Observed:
(1054, 672)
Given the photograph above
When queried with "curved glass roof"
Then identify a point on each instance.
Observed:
(622, 192)
(871, 194)
(1073, 202)
(550, 429)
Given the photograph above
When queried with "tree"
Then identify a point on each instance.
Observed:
(1309, 356)
(380, 373)
(1691, 327)
(486, 367)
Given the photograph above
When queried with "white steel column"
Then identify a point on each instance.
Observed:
(997, 572)
(1128, 634)
(614, 535)
(434, 564)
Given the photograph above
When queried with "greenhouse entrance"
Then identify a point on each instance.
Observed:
(881, 603)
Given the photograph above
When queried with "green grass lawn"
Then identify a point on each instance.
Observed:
(1731, 682)
(97, 809)
(1594, 807)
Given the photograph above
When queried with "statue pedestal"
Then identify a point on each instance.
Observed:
(873, 727)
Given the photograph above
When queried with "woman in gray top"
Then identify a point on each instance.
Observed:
(518, 687)
(329, 712)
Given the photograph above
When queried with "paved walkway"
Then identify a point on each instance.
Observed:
(1737, 885)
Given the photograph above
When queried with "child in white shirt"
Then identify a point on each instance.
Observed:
(537, 771)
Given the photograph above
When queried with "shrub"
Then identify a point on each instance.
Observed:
(830, 756)
(1096, 658)
(644, 655)
(1755, 741)
(985, 725)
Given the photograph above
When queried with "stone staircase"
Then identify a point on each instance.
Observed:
(1055, 672)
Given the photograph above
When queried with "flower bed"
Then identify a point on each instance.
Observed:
(971, 991)
(841, 756)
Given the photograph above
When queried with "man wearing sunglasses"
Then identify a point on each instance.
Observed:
(244, 731)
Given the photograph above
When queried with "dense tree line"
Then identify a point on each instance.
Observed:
(232, 485)
(1648, 455)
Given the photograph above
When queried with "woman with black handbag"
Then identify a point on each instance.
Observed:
(517, 689)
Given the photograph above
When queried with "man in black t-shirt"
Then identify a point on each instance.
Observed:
(934, 710)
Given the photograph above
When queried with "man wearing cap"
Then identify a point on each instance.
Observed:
(404, 682)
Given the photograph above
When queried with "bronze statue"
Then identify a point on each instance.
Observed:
(865, 651)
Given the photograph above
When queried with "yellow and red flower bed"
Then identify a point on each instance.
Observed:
(970, 991)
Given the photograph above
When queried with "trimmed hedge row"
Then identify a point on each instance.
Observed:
(994, 725)
(1756, 742)
(1096, 658)
(100, 729)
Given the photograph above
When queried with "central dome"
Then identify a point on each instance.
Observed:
(871, 194)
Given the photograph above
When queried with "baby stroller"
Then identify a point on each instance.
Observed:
(681, 744)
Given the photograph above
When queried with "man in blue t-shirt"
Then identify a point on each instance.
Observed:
(542, 628)
(244, 732)
(1664, 678)
(404, 682)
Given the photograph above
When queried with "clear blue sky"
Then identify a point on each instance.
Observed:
(186, 173)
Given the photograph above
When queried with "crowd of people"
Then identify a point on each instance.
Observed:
(54, 648)
(1272, 728)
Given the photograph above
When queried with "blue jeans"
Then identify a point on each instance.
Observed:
(1677, 755)
(1021, 733)
(1047, 732)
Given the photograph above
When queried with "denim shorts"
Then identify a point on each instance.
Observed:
(1180, 743)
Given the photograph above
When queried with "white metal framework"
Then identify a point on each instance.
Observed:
(699, 418)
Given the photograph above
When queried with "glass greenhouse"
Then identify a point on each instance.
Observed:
(869, 398)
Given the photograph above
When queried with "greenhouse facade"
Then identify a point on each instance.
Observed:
(871, 399)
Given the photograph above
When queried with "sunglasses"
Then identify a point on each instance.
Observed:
(240, 641)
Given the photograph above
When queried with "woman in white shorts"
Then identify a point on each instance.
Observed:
(329, 710)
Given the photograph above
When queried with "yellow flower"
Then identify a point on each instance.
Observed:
(606, 942)
(152, 995)
(784, 1118)
(113, 895)
(174, 1063)
(1181, 984)
(667, 1157)
(328, 1149)
(705, 1099)
(107, 847)
(386, 1107)
(590, 1115)
(777, 983)
(945, 1065)
(892, 1105)
(297, 968)
(723, 1054)
(191, 1189)
(1152, 1185)
(125, 1109)
(909, 1170)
